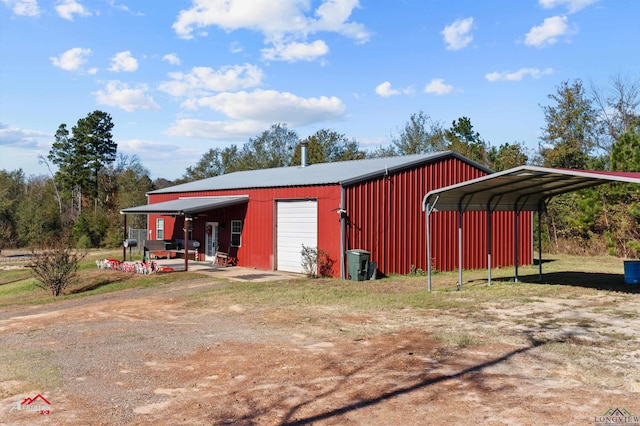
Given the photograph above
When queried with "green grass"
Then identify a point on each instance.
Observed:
(399, 292)
(17, 287)
(29, 368)
(13, 275)
(395, 292)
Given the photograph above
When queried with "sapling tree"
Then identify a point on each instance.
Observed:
(55, 267)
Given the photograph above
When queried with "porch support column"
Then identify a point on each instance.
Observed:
(124, 237)
(186, 242)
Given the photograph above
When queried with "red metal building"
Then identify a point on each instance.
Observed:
(374, 205)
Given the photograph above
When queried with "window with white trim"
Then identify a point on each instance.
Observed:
(159, 229)
(236, 233)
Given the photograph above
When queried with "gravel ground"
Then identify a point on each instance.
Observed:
(159, 356)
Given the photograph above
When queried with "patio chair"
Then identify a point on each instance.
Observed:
(223, 259)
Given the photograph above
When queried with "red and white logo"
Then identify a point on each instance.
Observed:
(38, 404)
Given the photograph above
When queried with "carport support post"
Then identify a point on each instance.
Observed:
(429, 208)
(343, 234)
(428, 250)
(489, 246)
(539, 245)
(516, 250)
(459, 249)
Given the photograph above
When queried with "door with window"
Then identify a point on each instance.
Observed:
(210, 241)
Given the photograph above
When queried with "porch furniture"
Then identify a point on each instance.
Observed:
(223, 259)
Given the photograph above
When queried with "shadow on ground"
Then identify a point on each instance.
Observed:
(426, 382)
(594, 280)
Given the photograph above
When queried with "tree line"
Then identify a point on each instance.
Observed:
(584, 129)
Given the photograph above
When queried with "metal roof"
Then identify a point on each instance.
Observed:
(342, 172)
(187, 205)
(521, 188)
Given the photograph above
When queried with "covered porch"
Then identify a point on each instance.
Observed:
(188, 227)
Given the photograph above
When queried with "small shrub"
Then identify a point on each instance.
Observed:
(325, 264)
(55, 267)
(316, 262)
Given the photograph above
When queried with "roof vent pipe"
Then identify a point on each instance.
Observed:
(303, 154)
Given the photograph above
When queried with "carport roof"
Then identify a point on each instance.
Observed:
(187, 205)
(521, 188)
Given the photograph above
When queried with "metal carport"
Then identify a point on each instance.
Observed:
(184, 206)
(524, 188)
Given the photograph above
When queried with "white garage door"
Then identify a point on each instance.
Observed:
(297, 226)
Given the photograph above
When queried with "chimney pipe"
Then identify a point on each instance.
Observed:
(303, 154)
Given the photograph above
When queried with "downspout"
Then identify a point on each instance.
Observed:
(343, 233)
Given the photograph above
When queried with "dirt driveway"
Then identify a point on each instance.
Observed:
(165, 356)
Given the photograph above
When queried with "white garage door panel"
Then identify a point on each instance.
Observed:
(297, 226)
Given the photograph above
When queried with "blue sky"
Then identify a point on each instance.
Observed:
(181, 77)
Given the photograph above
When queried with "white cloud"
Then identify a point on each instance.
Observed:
(517, 75)
(547, 33)
(385, 90)
(172, 58)
(438, 87)
(118, 94)
(293, 52)
(270, 106)
(204, 80)
(68, 8)
(216, 130)
(282, 22)
(235, 47)
(123, 61)
(72, 59)
(23, 7)
(123, 7)
(458, 35)
(143, 147)
(571, 5)
(333, 16)
(22, 138)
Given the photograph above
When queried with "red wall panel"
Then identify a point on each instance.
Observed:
(385, 217)
(258, 215)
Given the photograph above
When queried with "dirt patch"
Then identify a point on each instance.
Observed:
(152, 355)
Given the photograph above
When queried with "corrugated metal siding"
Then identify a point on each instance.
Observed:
(386, 218)
(258, 215)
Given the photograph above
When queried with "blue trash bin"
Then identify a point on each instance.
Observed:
(632, 271)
